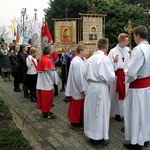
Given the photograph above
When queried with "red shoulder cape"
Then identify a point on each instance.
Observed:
(45, 63)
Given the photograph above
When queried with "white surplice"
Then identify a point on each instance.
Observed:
(117, 105)
(137, 101)
(99, 73)
(47, 79)
(76, 82)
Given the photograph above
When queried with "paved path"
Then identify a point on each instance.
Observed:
(53, 134)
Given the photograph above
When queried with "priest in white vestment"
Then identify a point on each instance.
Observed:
(137, 101)
(119, 56)
(75, 89)
(99, 73)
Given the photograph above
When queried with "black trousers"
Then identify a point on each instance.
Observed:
(56, 89)
(16, 80)
(32, 80)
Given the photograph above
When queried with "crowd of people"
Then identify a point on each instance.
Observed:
(117, 83)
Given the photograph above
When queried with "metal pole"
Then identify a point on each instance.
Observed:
(23, 24)
(23, 13)
(35, 10)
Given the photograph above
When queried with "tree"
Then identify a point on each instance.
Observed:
(58, 9)
(144, 3)
(118, 15)
(4, 34)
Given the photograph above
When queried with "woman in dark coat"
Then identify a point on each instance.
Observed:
(5, 62)
(14, 67)
(22, 55)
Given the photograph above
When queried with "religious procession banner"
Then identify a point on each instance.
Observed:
(93, 27)
(46, 35)
(35, 34)
(65, 34)
(65, 31)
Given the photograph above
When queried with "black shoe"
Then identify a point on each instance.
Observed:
(146, 144)
(56, 94)
(62, 89)
(104, 142)
(48, 115)
(91, 141)
(27, 96)
(76, 126)
(33, 100)
(118, 118)
(100, 143)
(20, 90)
(67, 99)
(122, 129)
(17, 90)
(131, 146)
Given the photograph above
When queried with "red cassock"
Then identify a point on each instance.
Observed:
(45, 97)
(44, 100)
(76, 110)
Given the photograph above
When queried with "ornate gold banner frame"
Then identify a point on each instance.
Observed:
(65, 31)
(93, 27)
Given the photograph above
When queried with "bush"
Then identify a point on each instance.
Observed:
(11, 137)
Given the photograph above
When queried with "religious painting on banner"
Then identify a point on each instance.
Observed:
(93, 32)
(66, 33)
(93, 28)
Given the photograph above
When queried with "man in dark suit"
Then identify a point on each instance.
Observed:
(93, 34)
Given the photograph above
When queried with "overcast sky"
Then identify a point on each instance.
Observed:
(12, 8)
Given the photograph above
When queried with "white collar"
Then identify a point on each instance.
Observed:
(5, 52)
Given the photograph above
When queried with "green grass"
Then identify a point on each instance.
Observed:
(11, 137)
(4, 110)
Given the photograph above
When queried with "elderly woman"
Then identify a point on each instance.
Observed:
(5, 62)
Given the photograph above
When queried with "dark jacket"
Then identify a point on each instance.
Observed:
(4, 60)
(65, 64)
(22, 67)
(14, 62)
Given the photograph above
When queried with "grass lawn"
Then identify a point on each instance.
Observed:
(11, 137)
